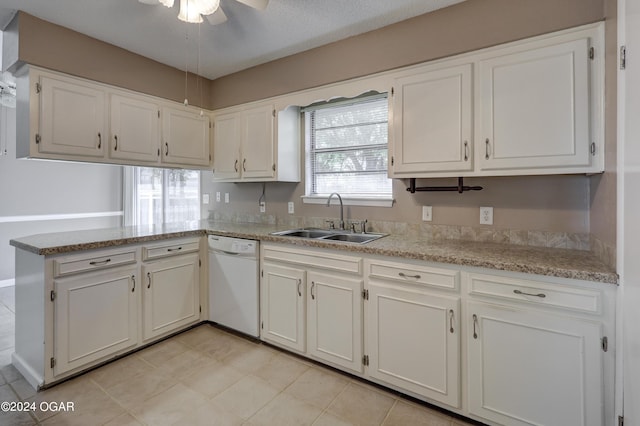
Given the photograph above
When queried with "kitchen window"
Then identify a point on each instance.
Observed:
(154, 196)
(346, 151)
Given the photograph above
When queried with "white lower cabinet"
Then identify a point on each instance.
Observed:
(95, 315)
(334, 319)
(412, 331)
(282, 303)
(171, 294)
(528, 367)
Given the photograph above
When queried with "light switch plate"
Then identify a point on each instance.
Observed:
(486, 215)
(290, 207)
(226, 197)
(263, 207)
(427, 213)
(205, 198)
(218, 196)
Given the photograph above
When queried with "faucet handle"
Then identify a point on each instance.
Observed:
(363, 226)
(331, 224)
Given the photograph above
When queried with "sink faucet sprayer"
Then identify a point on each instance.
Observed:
(341, 207)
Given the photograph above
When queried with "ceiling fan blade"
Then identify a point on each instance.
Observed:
(152, 2)
(217, 17)
(256, 4)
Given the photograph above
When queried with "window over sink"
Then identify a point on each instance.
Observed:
(346, 150)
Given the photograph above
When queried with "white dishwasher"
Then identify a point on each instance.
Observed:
(233, 284)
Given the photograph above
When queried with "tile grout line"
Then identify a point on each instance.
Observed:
(386, 417)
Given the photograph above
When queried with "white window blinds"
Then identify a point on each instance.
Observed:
(347, 148)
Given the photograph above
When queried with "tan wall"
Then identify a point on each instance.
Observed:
(466, 26)
(61, 49)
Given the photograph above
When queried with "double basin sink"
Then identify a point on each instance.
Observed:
(329, 235)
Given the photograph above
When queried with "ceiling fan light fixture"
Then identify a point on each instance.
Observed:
(167, 3)
(190, 12)
(207, 7)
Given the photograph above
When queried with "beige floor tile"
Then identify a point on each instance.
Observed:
(360, 405)
(317, 386)
(10, 373)
(210, 414)
(225, 347)
(285, 410)
(212, 379)
(170, 406)
(81, 391)
(251, 359)
(23, 389)
(281, 371)
(119, 371)
(94, 412)
(328, 419)
(411, 414)
(125, 419)
(247, 396)
(16, 418)
(198, 335)
(184, 364)
(163, 351)
(7, 394)
(133, 392)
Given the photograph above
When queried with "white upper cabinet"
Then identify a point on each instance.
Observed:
(523, 108)
(432, 121)
(534, 108)
(72, 117)
(255, 143)
(185, 137)
(135, 128)
(61, 117)
(227, 134)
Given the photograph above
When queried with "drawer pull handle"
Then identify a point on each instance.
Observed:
(175, 249)
(149, 279)
(235, 166)
(486, 149)
(313, 296)
(99, 141)
(475, 323)
(115, 148)
(299, 284)
(244, 165)
(540, 295)
(466, 151)
(451, 330)
(99, 262)
(133, 278)
(403, 275)
(166, 149)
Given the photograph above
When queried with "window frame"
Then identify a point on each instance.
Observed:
(385, 200)
(130, 194)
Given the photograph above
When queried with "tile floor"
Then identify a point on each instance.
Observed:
(206, 376)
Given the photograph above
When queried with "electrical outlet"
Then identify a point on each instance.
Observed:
(263, 207)
(486, 215)
(205, 198)
(427, 213)
(226, 197)
(218, 196)
(290, 207)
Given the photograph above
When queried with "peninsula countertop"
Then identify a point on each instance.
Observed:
(556, 262)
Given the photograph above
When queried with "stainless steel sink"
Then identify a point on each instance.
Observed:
(329, 235)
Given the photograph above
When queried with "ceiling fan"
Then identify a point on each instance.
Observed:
(193, 10)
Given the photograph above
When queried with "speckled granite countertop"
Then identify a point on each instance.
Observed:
(564, 263)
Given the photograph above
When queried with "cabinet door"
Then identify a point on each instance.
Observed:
(95, 315)
(185, 138)
(334, 319)
(535, 109)
(72, 118)
(432, 122)
(282, 301)
(227, 132)
(413, 341)
(171, 295)
(258, 143)
(534, 368)
(135, 129)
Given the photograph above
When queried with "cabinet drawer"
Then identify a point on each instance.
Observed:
(92, 262)
(326, 261)
(539, 293)
(169, 248)
(414, 274)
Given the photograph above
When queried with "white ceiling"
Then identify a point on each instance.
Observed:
(249, 37)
